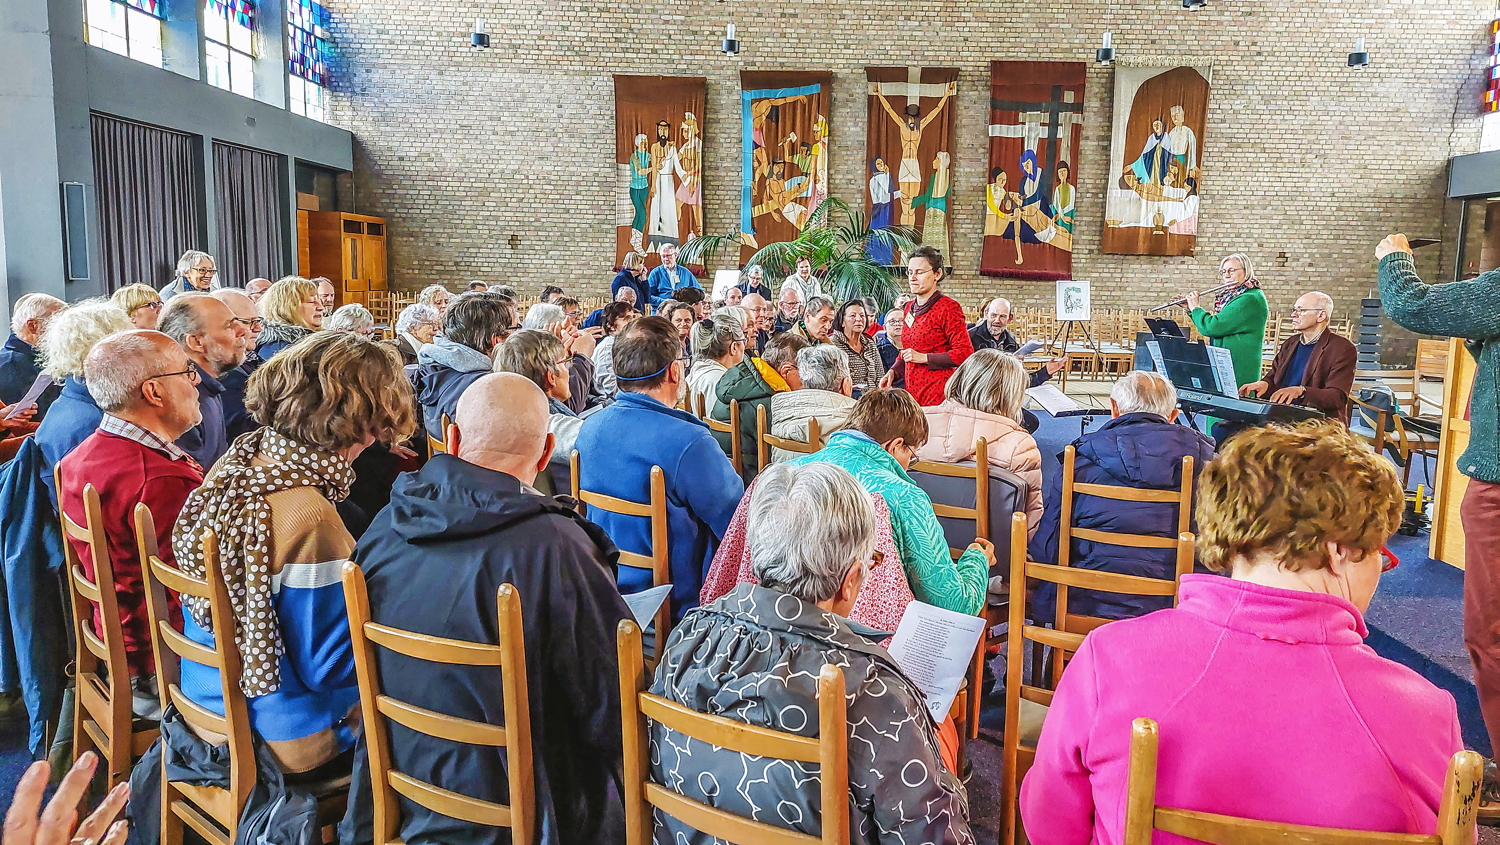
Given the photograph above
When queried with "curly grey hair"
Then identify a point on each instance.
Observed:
(808, 564)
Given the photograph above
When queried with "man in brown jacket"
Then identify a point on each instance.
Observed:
(1314, 368)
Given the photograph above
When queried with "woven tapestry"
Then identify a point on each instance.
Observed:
(784, 153)
(1155, 160)
(909, 152)
(658, 163)
(1036, 120)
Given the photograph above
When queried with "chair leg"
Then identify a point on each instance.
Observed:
(171, 825)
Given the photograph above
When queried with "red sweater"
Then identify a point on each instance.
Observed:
(941, 331)
(126, 472)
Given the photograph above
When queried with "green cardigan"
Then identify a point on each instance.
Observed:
(1240, 327)
(1471, 310)
(935, 577)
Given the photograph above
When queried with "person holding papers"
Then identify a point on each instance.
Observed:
(754, 656)
(1313, 368)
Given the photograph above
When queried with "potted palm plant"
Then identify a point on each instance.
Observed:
(836, 241)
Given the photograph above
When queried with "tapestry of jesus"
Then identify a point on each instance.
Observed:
(1155, 160)
(1036, 115)
(784, 149)
(909, 152)
(658, 163)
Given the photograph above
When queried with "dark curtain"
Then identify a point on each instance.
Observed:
(145, 185)
(249, 210)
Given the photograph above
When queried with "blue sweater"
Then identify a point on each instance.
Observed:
(617, 447)
(627, 279)
(663, 284)
(208, 440)
(73, 417)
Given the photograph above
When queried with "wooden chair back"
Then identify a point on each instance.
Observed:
(1432, 359)
(1457, 809)
(766, 441)
(102, 717)
(658, 561)
(440, 444)
(1064, 639)
(979, 473)
(1402, 383)
(211, 811)
(829, 751)
(731, 428)
(379, 709)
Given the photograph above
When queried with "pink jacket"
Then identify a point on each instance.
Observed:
(952, 430)
(1271, 707)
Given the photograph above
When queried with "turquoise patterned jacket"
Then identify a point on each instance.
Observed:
(935, 577)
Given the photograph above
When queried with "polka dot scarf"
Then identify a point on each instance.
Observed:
(232, 502)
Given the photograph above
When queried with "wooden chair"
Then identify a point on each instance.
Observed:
(1391, 429)
(1455, 818)
(212, 811)
(514, 736)
(766, 441)
(102, 718)
(1064, 639)
(830, 751)
(1432, 359)
(658, 561)
(436, 444)
(731, 428)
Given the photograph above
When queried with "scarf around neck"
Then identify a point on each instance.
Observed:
(232, 503)
(1226, 296)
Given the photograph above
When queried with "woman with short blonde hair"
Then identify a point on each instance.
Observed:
(1296, 517)
(291, 310)
(141, 304)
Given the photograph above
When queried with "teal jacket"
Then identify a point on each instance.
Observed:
(935, 577)
(1471, 310)
(1240, 327)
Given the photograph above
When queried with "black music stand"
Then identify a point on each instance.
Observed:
(1065, 333)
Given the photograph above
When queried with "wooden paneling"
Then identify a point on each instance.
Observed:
(1447, 531)
(349, 250)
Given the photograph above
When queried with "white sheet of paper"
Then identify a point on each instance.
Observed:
(1156, 359)
(1029, 347)
(643, 605)
(934, 647)
(42, 382)
(1224, 370)
(723, 281)
(1052, 400)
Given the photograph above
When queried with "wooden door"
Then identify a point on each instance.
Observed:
(375, 258)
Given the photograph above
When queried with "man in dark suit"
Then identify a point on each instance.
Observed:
(1313, 368)
(20, 361)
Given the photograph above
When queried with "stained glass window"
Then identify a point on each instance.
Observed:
(128, 27)
(307, 40)
(1492, 77)
(229, 44)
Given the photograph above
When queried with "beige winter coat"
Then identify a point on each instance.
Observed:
(952, 430)
(791, 410)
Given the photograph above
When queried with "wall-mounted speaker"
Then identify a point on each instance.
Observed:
(75, 230)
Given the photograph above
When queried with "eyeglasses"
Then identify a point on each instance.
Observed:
(190, 372)
(1230, 271)
(154, 306)
(255, 324)
(876, 559)
(1296, 310)
(1389, 560)
(204, 272)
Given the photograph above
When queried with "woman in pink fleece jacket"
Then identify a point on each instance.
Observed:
(983, 399)
(1270, 704)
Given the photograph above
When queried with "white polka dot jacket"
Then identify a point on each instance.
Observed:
(754, 656)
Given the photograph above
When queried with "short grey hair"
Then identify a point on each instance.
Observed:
(808, 564)
(816, 304)
(1244, 261)
(822, 366)
(754, 268)
(415, 315)
(351, 318)
(430, 293)
(117, 366)
(541, 314)
(34, 306)
(1141, 392)
(531, 353)
(73, 332)
(715, 337)
(991, 382)
(1325, 302)
(190, 258)
(181, 318)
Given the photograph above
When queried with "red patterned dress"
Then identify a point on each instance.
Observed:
(940, 330)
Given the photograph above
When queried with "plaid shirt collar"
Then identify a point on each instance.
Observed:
(112, 424)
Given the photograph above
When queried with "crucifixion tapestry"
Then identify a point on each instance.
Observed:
(1156, 159)
(658, 163)
(784, 149)
(1036, 119)
(909, 152)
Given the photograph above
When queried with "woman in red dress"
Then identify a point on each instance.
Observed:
(936, 338)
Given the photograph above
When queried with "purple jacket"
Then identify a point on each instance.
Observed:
(1270, 705)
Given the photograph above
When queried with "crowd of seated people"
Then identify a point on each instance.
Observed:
(255, 418)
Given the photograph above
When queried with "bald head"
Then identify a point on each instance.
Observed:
(139, 376)
(243, 310)
(502, 425)
(256, 287)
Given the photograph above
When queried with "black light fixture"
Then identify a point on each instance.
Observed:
(1194, 4)
(1105, 55)
(731, 45)
(479, 38)
(1359, 58)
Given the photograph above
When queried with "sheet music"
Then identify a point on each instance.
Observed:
(933, 647)
(1029, 347)
(1224, 370)
(28, 401)
(1054, 401)
(643, 605)
(1159, 362)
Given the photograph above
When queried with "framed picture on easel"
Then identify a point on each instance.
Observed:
(1073, 301)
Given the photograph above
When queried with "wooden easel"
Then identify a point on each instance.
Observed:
(1065, 329)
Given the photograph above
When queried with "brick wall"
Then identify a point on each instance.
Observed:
(1307, 163)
